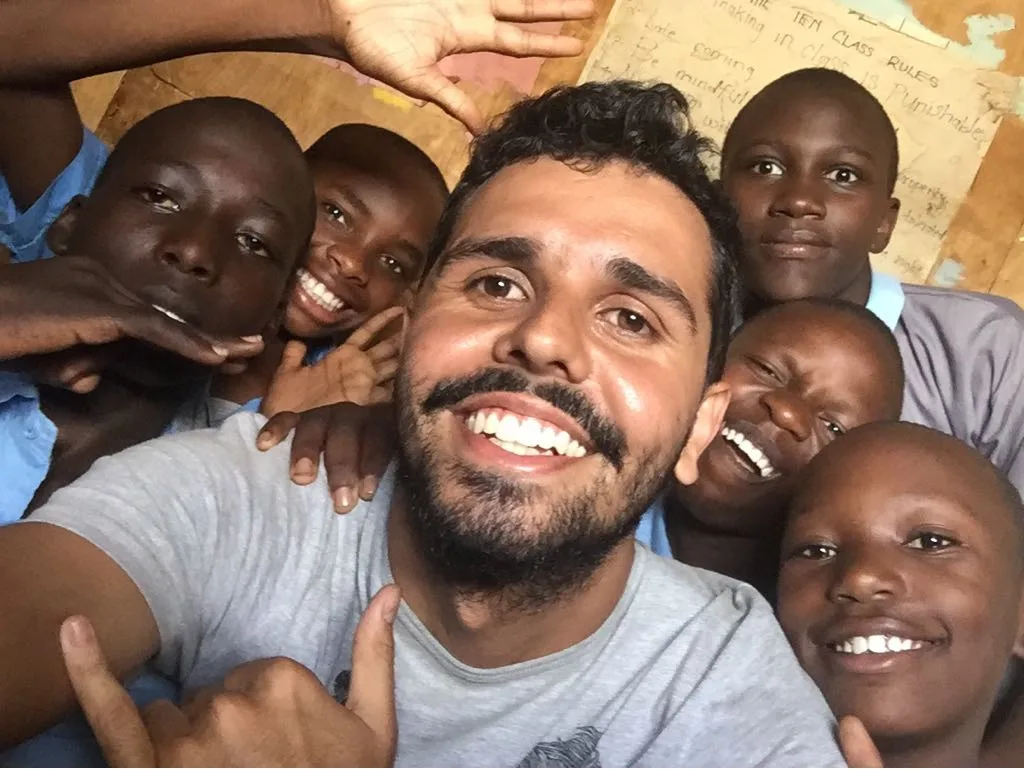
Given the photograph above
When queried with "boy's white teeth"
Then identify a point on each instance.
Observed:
(876, 644)
(752, 452)
(168, 313)
(525, 436)
(318, 292)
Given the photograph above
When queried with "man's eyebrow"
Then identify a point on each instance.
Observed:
(514, 250)
(632, 275)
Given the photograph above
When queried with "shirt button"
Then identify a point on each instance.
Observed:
(30, 433)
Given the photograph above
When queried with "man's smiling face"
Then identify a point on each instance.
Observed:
(554, 370)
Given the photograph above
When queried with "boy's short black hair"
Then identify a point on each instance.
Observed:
(232, 110)
(589, 125)
(348, 141)
(834, 83)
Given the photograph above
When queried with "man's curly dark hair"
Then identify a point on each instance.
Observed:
(586, 126)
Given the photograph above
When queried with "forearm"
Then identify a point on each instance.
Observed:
(40, 134)
(55, 41)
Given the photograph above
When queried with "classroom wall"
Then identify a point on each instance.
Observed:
(982, 251)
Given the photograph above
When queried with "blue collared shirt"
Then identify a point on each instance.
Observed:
(27, 438)
(886, 298)
(652, 532)
(24, 232)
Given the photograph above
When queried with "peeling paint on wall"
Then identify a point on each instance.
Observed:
(948, 274)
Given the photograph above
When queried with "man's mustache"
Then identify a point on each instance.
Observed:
(608, 439)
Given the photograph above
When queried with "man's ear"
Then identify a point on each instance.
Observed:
(705, 427)
(885, 227)
(59, 235)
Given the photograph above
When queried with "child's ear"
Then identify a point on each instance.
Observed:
(705, 427)
(885, 227)
(59, 235)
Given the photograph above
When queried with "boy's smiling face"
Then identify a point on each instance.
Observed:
(900, 586)
(810, 169)
(800, 374)
(377, 207)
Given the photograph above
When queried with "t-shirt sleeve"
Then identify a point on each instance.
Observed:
(163, 511)
(997, 378)
(755, 706)
(24, 232)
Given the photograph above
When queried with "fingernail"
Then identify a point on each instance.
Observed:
(262, 441)
(367, 487)
(343, 501)
(220, 350)
(75, 633)
(304, 468)
(391, 607)
(253, 339)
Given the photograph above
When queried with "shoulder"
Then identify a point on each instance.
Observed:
(24, 232)
(688, 592)
(956, 306)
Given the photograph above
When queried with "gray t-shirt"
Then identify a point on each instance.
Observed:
(964, 358)
(238, 563)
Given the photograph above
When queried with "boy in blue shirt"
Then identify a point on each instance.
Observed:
(187, 243)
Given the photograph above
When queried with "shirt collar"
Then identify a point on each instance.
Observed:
(886, 298)
(17, 385)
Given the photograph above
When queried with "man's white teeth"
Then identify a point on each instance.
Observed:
(168, 313)
(752, 452)
(523, 435)
(318, 292)
(876, 644)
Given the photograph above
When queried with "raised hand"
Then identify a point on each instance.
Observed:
(354, 372)
(400, 42)
(54, 305)
(356, 443)
(267, 713)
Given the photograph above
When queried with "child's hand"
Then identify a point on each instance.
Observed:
(353, 372)
(355, 442)
(55, 305)
(400, 42)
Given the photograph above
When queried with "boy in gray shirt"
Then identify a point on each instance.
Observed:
(811, 164)
(560, 363)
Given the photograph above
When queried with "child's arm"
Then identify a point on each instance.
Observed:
(55, 41)
(40, 134)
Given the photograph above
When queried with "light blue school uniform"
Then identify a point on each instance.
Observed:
(24, 232)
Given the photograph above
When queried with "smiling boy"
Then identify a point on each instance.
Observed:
(800, 374)
(902, 596)
(199, 215)
(811, 163)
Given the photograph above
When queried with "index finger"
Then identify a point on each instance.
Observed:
(373, 326)
(542, 10)
(149, 325)
(107, 707)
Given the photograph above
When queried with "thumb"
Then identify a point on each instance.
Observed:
(292, 357)
(372, 690)
(108, 708)
(858, 748)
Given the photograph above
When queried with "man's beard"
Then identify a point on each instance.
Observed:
(473, 546)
